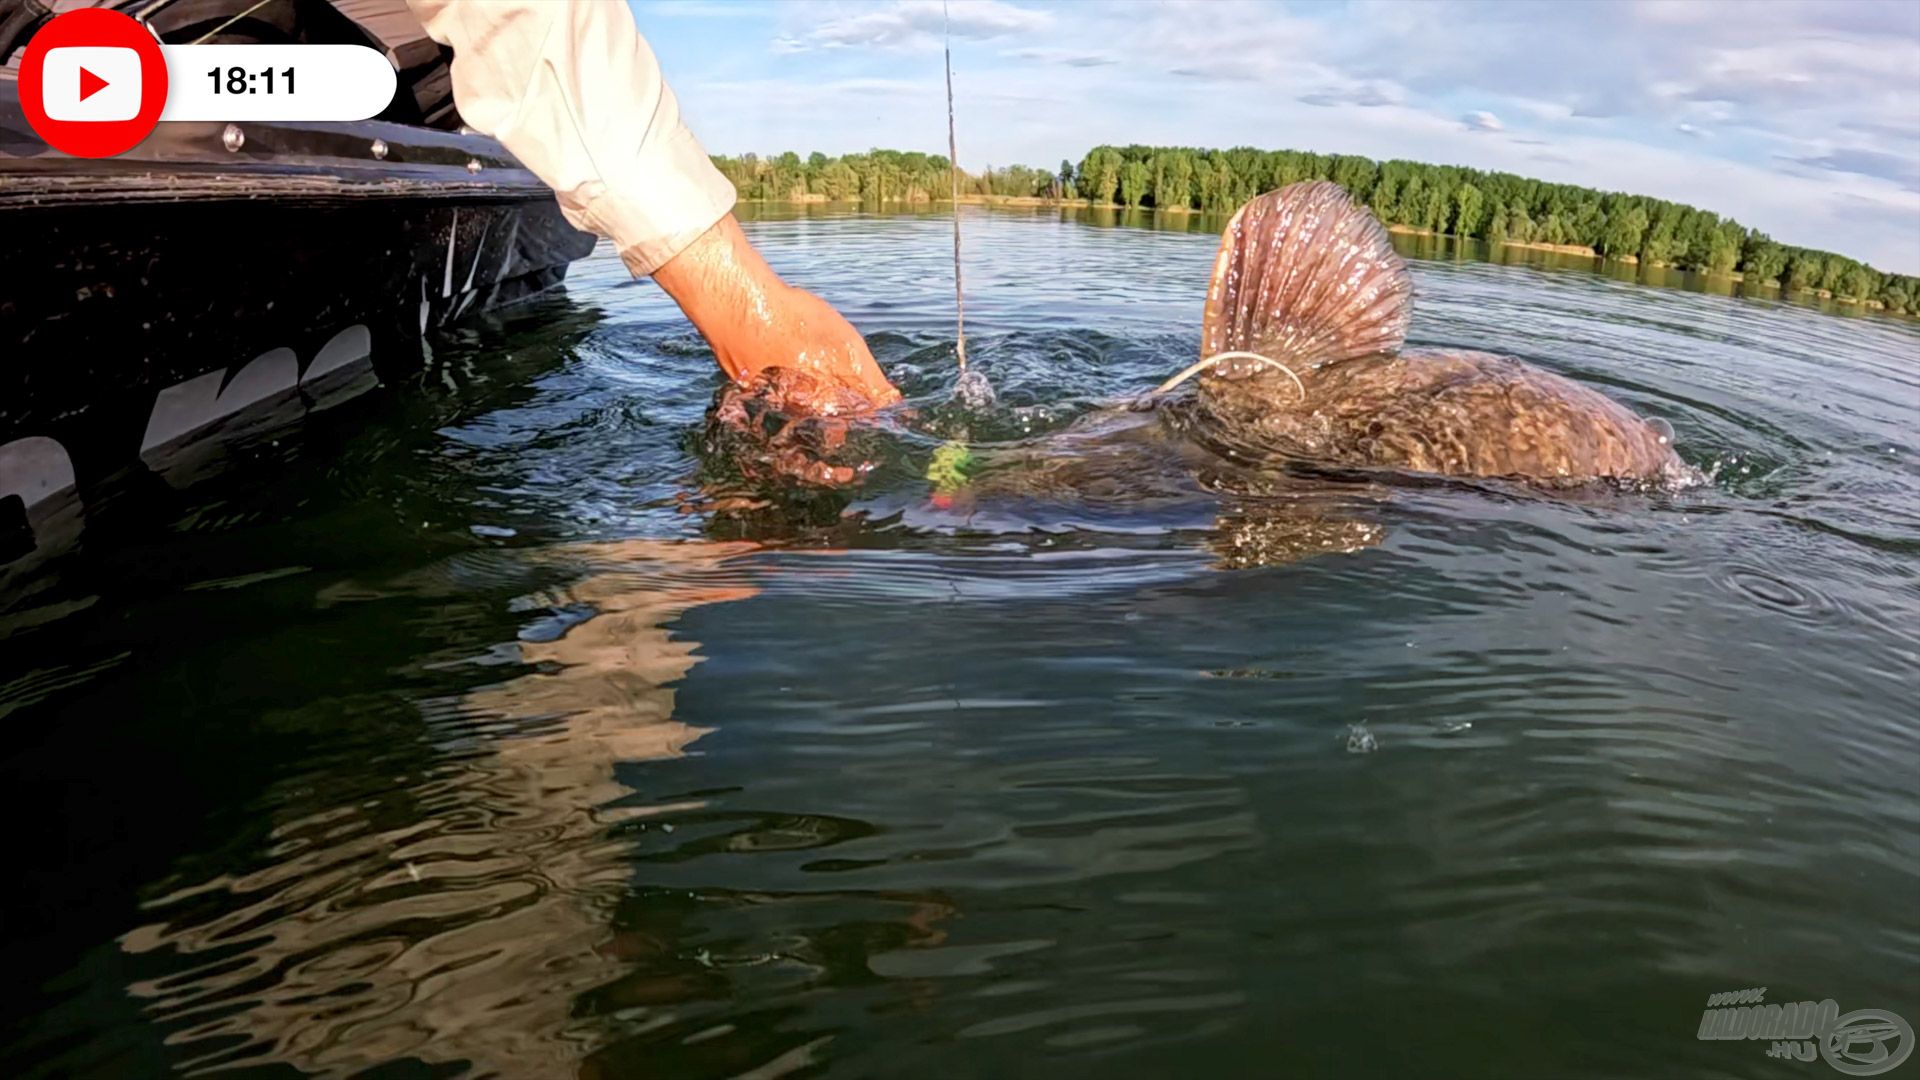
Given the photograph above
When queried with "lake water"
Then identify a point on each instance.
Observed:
(480, 744)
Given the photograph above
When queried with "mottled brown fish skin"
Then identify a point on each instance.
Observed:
(1306, 278)
(1450, 412)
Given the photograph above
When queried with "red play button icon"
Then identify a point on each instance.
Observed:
(90, 84)
(93, 82)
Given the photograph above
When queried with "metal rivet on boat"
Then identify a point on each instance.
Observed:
(233, 138)
(473, 165)
(380, 149)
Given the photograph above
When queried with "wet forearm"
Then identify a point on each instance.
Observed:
(755, 321)
(727, 291)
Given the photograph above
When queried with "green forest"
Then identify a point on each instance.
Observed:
(1498, 208)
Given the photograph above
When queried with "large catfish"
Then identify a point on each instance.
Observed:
(1310, 305)
(1302, 368)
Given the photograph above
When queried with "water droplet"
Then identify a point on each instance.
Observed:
(973, 390)
(380, 149)
(1360, 740)
(233, 138)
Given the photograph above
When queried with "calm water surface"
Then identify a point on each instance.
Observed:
(473, 745)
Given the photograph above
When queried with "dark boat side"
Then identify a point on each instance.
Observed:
(222, 281)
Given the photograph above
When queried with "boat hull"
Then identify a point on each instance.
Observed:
(161, 310)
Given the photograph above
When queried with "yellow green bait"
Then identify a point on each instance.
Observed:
(949, 467)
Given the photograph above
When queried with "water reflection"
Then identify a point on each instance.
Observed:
(986, 801)
(1414, 245)
(457, 917)
(540, 899)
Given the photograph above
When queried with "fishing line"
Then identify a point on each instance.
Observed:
(953, 462)
(1202, 365)
(953, 187)
(203, 37)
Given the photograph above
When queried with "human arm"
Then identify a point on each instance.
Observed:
(756, 321)
(574, 91)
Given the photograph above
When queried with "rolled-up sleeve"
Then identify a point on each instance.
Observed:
(571, 88)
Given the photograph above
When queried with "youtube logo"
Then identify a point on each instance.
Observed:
(93, 83)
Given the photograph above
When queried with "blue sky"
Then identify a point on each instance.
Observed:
(1802, 119)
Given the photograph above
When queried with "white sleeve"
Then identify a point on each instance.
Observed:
(571, 88)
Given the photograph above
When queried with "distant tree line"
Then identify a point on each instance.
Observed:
(1498, 208)
(881, 176)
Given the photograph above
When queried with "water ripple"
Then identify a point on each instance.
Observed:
(545, 762)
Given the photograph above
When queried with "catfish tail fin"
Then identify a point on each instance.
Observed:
(1308, 278)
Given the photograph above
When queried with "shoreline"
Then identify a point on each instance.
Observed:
(1580, 250)
(1574, 250)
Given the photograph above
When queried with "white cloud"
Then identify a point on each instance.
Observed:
(1903, 171)
(1069, 57)
(694, 9)
(914, 25)
(1552, 111)
(1800, 119)
(1367, 95)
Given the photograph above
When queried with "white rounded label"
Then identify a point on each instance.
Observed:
(276, 82)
